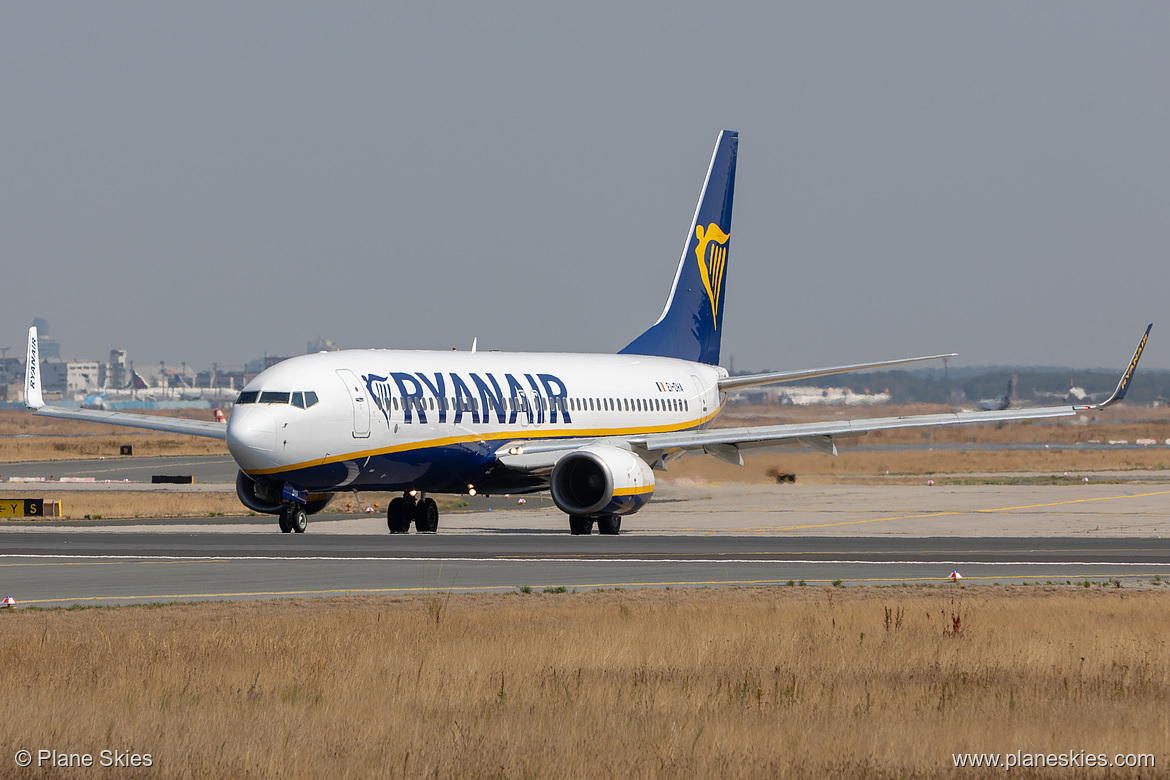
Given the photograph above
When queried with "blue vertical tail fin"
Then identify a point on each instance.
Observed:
(691, 323)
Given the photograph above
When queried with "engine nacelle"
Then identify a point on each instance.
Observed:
(262, 497)
(599, 479)
(265, 497)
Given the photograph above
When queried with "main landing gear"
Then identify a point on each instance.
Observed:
(607, 525)
(422, 510)
(293, 518)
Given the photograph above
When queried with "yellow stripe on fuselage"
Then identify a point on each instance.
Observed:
(565, 433)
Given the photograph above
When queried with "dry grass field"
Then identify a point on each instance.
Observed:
(25, 437)
(783, 682)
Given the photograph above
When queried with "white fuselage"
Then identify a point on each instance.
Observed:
(432, 421)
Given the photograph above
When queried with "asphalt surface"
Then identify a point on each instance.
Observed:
(216, 468)
(83, 567)
(691, 535)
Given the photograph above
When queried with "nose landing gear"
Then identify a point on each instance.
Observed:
(293, 519)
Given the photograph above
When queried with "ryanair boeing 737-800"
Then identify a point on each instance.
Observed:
(592, 429)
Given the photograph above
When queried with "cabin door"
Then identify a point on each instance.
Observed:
(361, 404)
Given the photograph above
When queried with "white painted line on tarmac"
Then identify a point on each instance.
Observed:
(538, 559)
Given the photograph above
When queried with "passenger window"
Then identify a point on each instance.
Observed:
(274, 398)
(248, 397)
(310, 398)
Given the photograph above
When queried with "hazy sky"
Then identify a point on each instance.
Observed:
(216, 180)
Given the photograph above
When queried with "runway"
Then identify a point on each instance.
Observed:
(48, 569)
(691, 535)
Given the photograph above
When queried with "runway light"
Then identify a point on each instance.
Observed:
(955, 576)
(522, 501)
(930, 481)
(9, 602)
(414, 494)
(471, 490)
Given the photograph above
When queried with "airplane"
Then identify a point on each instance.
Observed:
(1003, 402)
(592, 429)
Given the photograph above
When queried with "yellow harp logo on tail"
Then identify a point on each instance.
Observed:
(712, 254)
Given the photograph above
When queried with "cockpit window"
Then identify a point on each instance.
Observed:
(299, 399)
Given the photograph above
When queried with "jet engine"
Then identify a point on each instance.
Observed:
(262, 497)
(265, 498)
(600, 479)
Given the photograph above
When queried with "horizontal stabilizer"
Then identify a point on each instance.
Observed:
(775, 378)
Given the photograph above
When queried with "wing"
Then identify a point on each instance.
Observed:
(34, 400)
(726, 443)
(205, 428)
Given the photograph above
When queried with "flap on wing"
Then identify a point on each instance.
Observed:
(819, 435)
(205, 428)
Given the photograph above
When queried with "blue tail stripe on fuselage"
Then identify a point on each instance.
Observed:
(691, 325)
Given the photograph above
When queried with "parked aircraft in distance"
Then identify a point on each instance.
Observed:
(1003, 402)
(590, 428)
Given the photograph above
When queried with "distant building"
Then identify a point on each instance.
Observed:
(116, 370)
(49, 348)
(82, 376)
(320, 345)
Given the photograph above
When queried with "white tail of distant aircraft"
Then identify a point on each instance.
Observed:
(590, 428)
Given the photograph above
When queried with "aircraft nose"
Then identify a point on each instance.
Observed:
(251, 437)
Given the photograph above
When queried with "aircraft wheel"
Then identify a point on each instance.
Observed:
(298, 519)
(285, 526)
(397, 520)
(580, 525)
(426, 516)
(609, 525)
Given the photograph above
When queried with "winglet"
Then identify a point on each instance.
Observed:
(1123, 385)
(32, 373)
